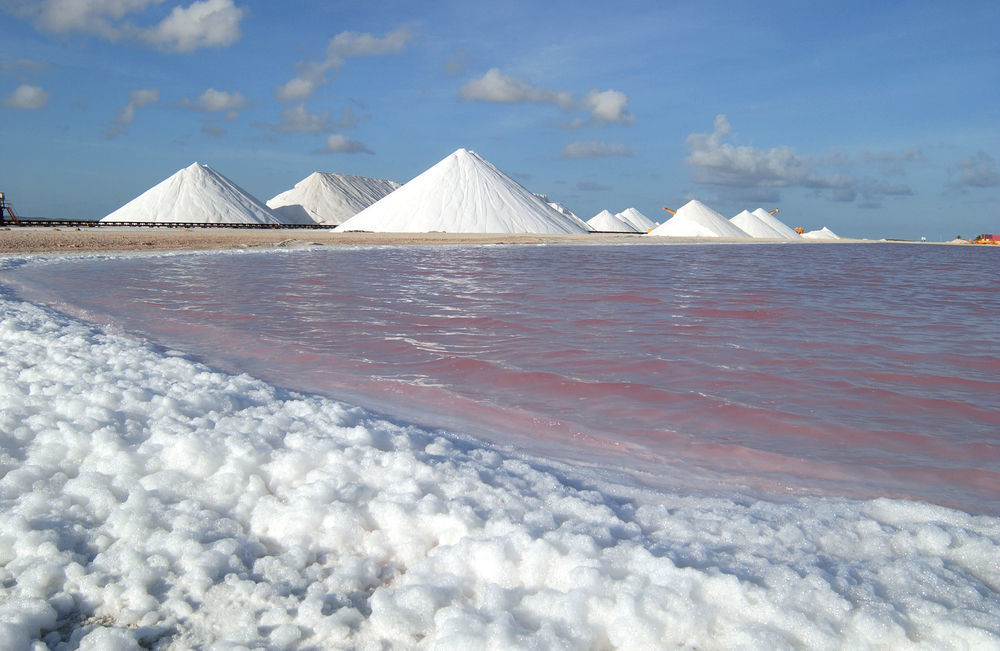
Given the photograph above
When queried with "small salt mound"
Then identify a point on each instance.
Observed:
(640, 222)
(196, 194)
(754, 226)
(695, 219)
(461, 194)
(328, 198)
(775, 223)
(563, 210)
(605, 221)
(822, 234)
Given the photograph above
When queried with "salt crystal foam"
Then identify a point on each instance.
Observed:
(327, 198)
(754, 226)
(196, 194)
(638, 220)
(148, 500)
(605, 221)
(463, 193)
(775, 223)
(695, 219)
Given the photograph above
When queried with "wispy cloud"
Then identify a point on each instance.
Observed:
(592, 186)
(298, 119)
(203, 23)
(752, 172)
(345, 45)
(594, 149)
(136, 100)
(27, 98)
(604, 106)
(977, 171)
(340, 144)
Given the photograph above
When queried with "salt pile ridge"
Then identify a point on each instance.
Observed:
(642, 223)
(328, 198)
(695, 219)
(463, 193)
(822, 234)
(563, 210)
(775, 223)
(196, 194)
(754, 226)
(605, 221)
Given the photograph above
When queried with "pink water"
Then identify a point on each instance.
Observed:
(856, 370)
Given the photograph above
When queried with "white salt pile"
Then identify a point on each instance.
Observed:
(148, 501)
(463, 193)
(605, 221)
(563, 210)
(328, 198)
(822, 234)
(754, 226)
(695, 219)
(639, 221)
(775, 223)
(196, 194)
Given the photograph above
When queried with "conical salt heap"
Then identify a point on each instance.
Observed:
(328, 198)
(754, 226)
(605, 221)
(196, 194)
(695, 219)
(642, 223)
(463, 193)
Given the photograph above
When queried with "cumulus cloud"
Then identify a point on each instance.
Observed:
(604, 106)
(978, 171)
(27, 97)
(210, 23)
(608, 106)
(340, 144)
(594, 149)
(136, 99)
(311, 75)
(203, 23)
(745, 171)
(215, 101)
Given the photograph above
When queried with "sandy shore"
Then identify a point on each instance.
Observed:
(71, 240)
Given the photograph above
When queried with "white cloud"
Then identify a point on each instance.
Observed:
(608, 106)
(594, 149)
(749, 171)
(339, 143)
(498, 88)
(136, 99)
(27, 97)
(978, 171)
(604, 106)
(208, 23)
(312, 75)
(214, 101)
(298, 119)
(204, 23)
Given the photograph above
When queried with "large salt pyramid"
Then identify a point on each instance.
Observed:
(196, 194)
(327, 198)
(461, 194)
(695, 219)
(774, 223)
(640, 222)
(754, 226)
(605, 221)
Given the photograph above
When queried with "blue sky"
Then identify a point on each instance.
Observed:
(874, 119)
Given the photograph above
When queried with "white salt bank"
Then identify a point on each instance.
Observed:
(754, 226)
(462, 194)
(328, 198)
(695, 219)
(605, 221)
(822, 234)
(196, 194)
(639, 221)
(563, 210)
(775, 223)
